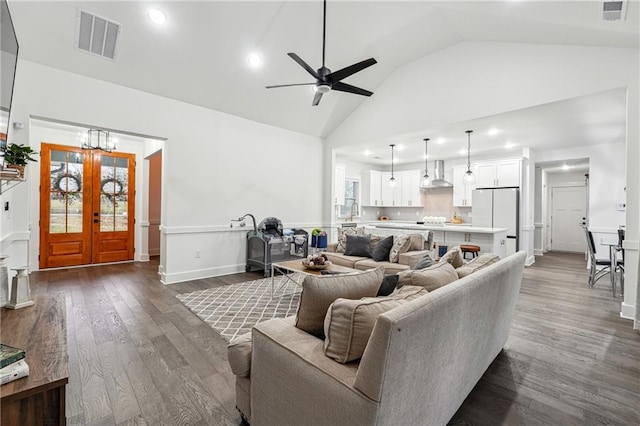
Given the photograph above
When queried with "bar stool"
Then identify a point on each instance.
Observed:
(469, 248)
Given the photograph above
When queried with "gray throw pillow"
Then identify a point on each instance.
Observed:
(425, 262)
(358, 245)
(389, 284)
(382, 249)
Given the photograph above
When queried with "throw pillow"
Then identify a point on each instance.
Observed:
(239, 355)
(342, 237)
(476, 264)
(417, 242)
(381, 251)
(430, 278)
(389, 284)
(454, 257)
(425, 262)
(349, 323)
(318, 292)
(401, 244)
(358, 245)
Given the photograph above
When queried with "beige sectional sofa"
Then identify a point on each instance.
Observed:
(420, 362)
(406, 260)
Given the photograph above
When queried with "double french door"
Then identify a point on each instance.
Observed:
(86, 206)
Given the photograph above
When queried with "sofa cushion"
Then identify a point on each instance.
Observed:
(348, 323)
(342, 237)
(389, 268)
(389, 284)
(343, 260)
(417, 242)
(319, 292)
(381, 251)
(425, 262)
(430, 278)
(454, 257)
(239, 355)
(476, 264)
(401, 244)
(358, 245)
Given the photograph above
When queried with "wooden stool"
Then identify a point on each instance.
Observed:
(469, 248)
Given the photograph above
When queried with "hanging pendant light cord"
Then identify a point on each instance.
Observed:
(469, 150)
(392, 160)
(426, 157)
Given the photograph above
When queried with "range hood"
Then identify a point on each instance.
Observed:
(438, 180)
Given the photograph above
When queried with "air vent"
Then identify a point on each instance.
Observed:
(97, 35)
(613, 10)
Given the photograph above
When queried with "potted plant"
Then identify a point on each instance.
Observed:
(17, 156)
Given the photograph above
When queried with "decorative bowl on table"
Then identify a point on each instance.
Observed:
(316, 262)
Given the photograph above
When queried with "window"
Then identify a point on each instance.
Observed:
(351, 197)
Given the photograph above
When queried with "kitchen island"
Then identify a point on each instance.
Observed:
(490, 240)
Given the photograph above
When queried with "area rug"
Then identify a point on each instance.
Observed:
(232, 310)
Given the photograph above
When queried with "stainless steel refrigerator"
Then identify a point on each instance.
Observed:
(498, 208)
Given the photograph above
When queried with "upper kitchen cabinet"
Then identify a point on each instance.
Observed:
(462, 190)
(391, 195)
(340, 176)
(410, 188)
(498, 174)
(372, 188)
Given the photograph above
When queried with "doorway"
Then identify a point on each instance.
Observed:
(568, 218)
(87, 206)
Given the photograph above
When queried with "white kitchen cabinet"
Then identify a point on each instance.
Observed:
(371, 188)
(410, 189)
(391, 196)
(462, 190)
(498, 174)
(340, 175)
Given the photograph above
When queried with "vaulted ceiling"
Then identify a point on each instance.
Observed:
(200, 55)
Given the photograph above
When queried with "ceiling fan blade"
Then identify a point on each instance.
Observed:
(304, 65)
(289, 85)
(316, 99)
(344, 87)
(336, 76)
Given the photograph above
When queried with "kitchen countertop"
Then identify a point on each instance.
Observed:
(446, 228)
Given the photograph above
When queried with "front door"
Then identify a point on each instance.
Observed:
(567, 218)
(86, 206)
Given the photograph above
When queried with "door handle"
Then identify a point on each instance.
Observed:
(96, 220)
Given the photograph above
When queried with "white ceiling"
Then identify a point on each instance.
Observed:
(199, 55)
(588, 120)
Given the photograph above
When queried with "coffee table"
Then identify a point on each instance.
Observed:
(297, 266)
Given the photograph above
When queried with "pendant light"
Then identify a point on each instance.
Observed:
(392, 181)
(469, 177)
(426, 180)
(100, 140)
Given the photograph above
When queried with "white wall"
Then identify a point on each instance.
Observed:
(479, 79)
(215, 166)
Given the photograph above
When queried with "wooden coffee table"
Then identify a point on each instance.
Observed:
(297, 266)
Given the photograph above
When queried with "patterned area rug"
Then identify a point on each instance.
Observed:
(234, 309)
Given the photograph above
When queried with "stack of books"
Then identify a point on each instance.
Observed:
(12, 364)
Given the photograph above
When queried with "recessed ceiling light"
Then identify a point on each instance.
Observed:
(157, 16)
(395, 160)
(565, 167)
(509, 145)
(462, 152)
(255, 60)
(425, 157)
(400, 147)
(493, 131)
(367, 153)
(440, 140)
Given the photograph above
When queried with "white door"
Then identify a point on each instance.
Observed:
(568, 214)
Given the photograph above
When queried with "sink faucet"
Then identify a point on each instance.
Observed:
(354, 210)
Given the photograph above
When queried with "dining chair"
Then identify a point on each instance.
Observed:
(620, 263)
(594, 273)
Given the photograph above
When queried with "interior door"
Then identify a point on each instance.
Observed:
(567, 218)
(86, 206)
(113, 206)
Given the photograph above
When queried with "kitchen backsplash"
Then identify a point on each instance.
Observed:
(436, 202)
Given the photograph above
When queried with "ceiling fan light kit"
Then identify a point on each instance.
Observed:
(325, 79)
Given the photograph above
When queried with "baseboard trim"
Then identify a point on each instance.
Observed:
(198, 274)
(144, 258)
(154, 252)
(530, 261)
(538, 252)
(628, 311)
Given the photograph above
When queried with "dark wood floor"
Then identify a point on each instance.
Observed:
(138, 356)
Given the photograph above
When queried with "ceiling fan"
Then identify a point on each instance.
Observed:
(325, 79)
